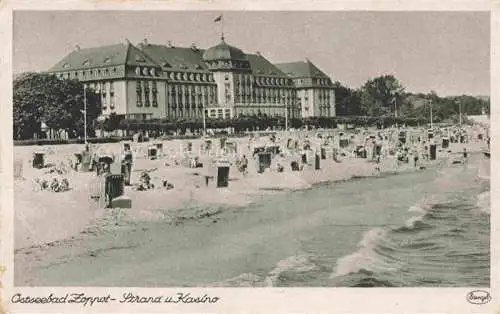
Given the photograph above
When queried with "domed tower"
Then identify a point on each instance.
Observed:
(225, 60)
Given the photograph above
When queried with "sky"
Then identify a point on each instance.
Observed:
(447, 52)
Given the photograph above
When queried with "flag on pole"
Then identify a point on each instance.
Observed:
(218, 19)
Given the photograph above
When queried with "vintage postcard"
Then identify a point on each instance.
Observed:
(291, 157)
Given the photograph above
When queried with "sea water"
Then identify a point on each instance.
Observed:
(419, 229)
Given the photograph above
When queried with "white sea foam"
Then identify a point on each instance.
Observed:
(365, 258)
(417, 208)
(296, 263)
(410, 223)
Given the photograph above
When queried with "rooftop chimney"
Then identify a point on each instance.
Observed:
(258, 53)
(77, 48)
(127, 41)
(145, 41)
(169, 44)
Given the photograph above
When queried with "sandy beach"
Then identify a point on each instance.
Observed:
(43, 216)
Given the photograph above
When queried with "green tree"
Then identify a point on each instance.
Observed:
(347, 100)
(28, 101)
(58, 103)
(380, 95)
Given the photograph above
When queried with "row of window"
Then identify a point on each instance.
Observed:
(249, 80)
(145, 71)
(185, 113)
(324, 94)
(190, 77)
(179, 95)
(321, 82)
(267, 111)
(87, 73)
(218, 112)
(191, 90)
(263, 95)
(101, 86)
(147, 94)
(324, 111)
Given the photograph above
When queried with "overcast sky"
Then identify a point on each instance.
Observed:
(442, 51)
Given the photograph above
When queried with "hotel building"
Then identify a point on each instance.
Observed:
(147, 81)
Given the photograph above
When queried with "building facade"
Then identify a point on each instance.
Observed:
(147, 81)
(315, 94)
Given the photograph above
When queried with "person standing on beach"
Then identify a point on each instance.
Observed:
(465, 154)
(415, 157)
(244, 165)
(126, 164)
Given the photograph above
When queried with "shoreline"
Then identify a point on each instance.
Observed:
(192, 221)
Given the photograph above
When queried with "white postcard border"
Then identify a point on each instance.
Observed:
(254, 300)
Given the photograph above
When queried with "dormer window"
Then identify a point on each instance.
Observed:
(86, 63)
(107, 60)
(166, 65)
(198, 67)
(66, 65)
(140, 59)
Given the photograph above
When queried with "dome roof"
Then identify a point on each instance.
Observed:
(223, 51)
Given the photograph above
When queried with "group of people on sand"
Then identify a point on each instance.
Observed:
(55, 185)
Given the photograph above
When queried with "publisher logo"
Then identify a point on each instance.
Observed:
(478, 297)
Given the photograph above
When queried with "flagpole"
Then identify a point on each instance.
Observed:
(85, 114)
(222, 26)
(204, 121)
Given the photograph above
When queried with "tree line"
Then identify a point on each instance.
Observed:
(43, 100)
(385, 96)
